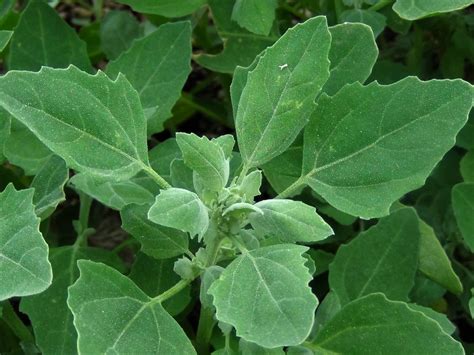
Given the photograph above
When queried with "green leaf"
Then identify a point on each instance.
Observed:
(48, 311)
(353, 54)
(42, 38)
(463, 207)
(157, 66)
(382, 259)
(361, 170)
(99, 130)
(290, 221)
(181, 175)
(180, 209)
(162, 156)
(125, 319)
(24, 266)
(114, 194)
(297, 67)
(440, 318)
(264, 292)
(49, 186)
(257, 16)
(157, 241)
(467, 167)
(156, 276)
(471, 303)
(206, 158)
(247, 348)
(208, 277)
(166, 8)
(415, 9)
(465, 137)
(5, 37)
(118, 30)
(250, 186)
(5, 122)
(372, 323)
(240, 46)
(375, 20)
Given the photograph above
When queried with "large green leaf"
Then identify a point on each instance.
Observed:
(24, 266)
(382, 259)
(157, 241)
(290, 74)
(157, 66)
(167, 8)
(126, 320)
(367, 146)
(43, 38)
(373, 323)
(48, 311)
(415, 9)
(264, 295)
(290, 221)
(100, 129)
(257, 16)
(463, 206)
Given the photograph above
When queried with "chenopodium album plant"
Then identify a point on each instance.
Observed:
(302, 117)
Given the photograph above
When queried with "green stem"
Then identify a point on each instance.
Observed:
(380, 5)
(172, 291)
(98, 9)
(187, 99)
(243, 173)
(339, 8)
(157, 177)
(292, 188)
(83, 221)
(10, 317)
(204, 331)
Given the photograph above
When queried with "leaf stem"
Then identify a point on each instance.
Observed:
(243, 173)
(10, 317)
(292, 188)
(172, 291)
(83, 221)
(204, 331)
(157, 177)
(339, 8)
(380, 5)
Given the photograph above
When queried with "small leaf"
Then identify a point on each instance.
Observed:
(290, 221)
(375, 20)
(463, 207)
(266, 291)
(267, 124)
(250, 186)
(242, 207)
(226, 142)
(24, 266)
(157, 241)
(373, 322)
(181, 176)
(208, 277)
(255, 15)
(163, 155)
(166, 8)
(415, 9)
(125, 319)
(180, 209)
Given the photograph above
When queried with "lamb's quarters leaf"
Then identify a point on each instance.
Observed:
(125, 319)
(372, 323)
(157, 66)
(5, 122)
(463, 207)
(382, 259)
(24, 266)
(42, 38)
(465, 138)
(181, 175)
(328, 308)
(375, 20)
(415, 9)
(180, 209)
(322, 260)
(257, 16)
(471, 303)
(5, 37)
(206, 158)
(48, 311)
(290, 73)
(118, 30)
(250, 186)
(49, 186)
(208, 277)
(467, 167)
(114, 194)
(367, 146)
(227, 143)
(95, 124)
(22, 148)
(248, 348)
(156, 240)
(240, 46)
(156, 276)
(166, 8)
(162, 156)
(353, 54)
(265, 291)
(290, 221)
(440, 318)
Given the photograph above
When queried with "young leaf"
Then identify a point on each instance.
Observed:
(180, 209)
(48, 311)
(373, 322)
(49, 186)
(382, 259)
(157, 66)
(375, 20)
(5, 123)
(42, 38)
(206, 158)
(415, 9)
(167, 8)
(24, 266)
(99, 130)
(163, 155)
(265, 291)
(208, 277)
(290, 73)
(157, 241)
(290, 221)
(250, 186)
(125, 319)
(257, 16)
(367, 146)
(181, 176)
(463, 207)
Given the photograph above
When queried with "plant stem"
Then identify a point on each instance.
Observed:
(10, 317)
(83, 221)
(204, 331)
(98, 8)
(292, 188)
(339, 8)
(157, 177)
(243, 173)
(172, 291)
(380, 5)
